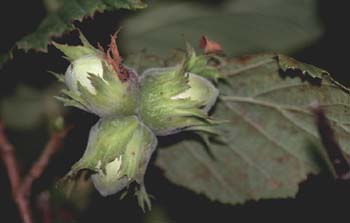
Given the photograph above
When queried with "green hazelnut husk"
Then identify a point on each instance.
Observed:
(98, 82)
(175, 99)
(117, 153)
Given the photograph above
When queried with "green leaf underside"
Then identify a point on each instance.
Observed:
(241, 26)
(272, 141)
(61, 20)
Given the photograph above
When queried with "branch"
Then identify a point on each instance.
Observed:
(21, 190)
(11, 164)
(39, 166)
(8, 156)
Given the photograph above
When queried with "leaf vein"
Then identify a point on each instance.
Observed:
(249, 67)
(261, 131)
(215, 173)
(274, 90)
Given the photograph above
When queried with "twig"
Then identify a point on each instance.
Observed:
(39, 166)
(44, 206)
(21, 190)
(8, 156)
(11, 164)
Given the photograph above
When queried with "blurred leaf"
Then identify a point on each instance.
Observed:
(158, 214)
(52, 5)
(60, 18)
(273, 142)
(28, 107)
(141, 60)
(240, 26)
(3, 58)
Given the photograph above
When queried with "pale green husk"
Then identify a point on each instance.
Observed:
(117, 153)
(175, 99)
(93, 85)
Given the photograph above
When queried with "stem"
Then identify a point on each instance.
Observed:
(44, 206)
(8, 156)
(21, 190)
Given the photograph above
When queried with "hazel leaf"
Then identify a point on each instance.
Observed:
(240, 26)
(60, 19)
(272, 142)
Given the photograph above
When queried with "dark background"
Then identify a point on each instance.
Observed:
(320, 197)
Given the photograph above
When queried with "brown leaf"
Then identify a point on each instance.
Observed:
(209, 46)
